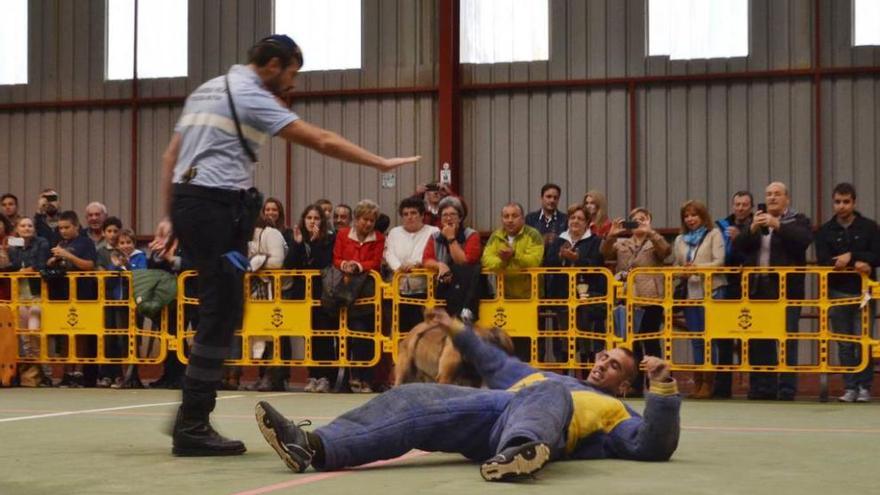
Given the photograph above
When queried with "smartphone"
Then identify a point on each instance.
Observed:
(15, 242)
(630, 224)
(762, 207)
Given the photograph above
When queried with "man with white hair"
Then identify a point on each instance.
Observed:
(96, 213)
(778, 236)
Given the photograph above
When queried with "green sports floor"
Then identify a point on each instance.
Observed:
(59, 441)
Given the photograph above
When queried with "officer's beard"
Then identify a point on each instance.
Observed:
(51, 210)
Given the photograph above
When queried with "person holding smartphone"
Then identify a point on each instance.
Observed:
(28, 254)
(46, 219)
(432, 193)
(644, 247)
(778, 236)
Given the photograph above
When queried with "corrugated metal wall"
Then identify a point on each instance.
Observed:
(86, 154)
(696, 140)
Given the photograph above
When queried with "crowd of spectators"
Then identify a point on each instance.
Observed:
(348, 243)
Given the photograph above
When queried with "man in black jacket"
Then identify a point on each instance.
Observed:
(740, 219)
(849, 240)
(778, 236)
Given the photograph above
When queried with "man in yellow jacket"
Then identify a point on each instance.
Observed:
(513, 247)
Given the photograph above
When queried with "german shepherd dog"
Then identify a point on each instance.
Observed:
(427, 354)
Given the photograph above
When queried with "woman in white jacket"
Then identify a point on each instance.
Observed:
(266, 251)
(700, 244)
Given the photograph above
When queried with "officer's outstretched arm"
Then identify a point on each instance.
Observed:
(331, 144)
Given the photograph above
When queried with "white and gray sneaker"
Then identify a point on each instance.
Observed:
(322, 386)
(848, 396)
(518, 462)
(864, 395)
(311, 385)
(287, 438)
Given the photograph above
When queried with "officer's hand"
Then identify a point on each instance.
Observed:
(390, 164)
(656, 368)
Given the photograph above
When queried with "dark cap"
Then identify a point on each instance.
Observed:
(275, 43)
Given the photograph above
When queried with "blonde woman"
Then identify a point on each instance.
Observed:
(29, 255)
(597, 208)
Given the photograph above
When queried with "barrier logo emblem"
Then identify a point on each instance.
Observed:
(72, 317)
(277, 317)
(500, 318)
(745, 319)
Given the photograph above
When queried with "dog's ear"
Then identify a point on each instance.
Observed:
(501, 339)
(429, 314)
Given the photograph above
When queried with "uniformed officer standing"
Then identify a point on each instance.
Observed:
(207, 177)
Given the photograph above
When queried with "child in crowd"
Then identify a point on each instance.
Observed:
(115, 317)
(126, 256)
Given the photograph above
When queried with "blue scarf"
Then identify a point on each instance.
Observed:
(693, 240)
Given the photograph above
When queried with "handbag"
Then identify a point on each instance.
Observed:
(258, 260)
(336, 292)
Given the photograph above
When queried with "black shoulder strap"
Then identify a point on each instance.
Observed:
(702, 238)
(241, 139)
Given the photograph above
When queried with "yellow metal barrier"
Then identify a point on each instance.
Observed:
(76, 319)
(282, 320)
(744, 320)
(558, 324)
(557, 316)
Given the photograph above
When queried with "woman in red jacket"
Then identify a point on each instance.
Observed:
(358, 249)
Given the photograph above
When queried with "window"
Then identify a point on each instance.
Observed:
(328, 31)
(691, 29)
(14, 42)
(866, 22)
(495, 31)
(162, 38)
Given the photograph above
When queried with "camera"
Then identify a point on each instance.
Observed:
(630, 224)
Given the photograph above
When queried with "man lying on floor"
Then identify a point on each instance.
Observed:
(525, 419)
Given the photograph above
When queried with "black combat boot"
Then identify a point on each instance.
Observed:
(193, 436)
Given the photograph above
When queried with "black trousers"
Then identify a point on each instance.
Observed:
(208, 223)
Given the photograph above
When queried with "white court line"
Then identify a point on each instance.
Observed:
(104, 409)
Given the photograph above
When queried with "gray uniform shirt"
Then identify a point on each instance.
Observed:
(209, 141)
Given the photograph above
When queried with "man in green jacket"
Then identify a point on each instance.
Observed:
(513, 247)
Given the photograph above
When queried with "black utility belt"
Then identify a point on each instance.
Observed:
(226, 196)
